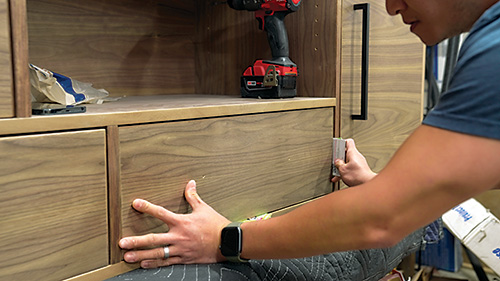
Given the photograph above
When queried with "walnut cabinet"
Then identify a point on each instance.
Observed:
(67, 181)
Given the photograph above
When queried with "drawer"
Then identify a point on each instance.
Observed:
(53, 206)
(6, 91)
(244, 165)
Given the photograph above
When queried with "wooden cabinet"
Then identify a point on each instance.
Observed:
(244, 165)
(6, 80)
(395, 81)
(248, 156)
(176, 66)
(54, 211)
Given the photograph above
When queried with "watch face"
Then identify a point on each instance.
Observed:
(230, 241)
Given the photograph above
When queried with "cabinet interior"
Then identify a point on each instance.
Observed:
(175, 47)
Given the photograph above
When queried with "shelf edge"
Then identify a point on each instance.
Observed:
(13, 126)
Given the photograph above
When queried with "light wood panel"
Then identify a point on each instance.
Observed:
(147, 109)
(227, 42)
(105, 273)
(6, 88)
(244, 165)
(314, 35)
(128, 47)
(395, 82)
(53, 206)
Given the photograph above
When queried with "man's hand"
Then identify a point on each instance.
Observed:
(355, 170)
(192, 238)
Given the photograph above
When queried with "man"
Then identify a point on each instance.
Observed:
(452, 156)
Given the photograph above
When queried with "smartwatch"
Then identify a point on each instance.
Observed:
(231, 239)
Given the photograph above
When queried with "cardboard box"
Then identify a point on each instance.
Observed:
(478, 229)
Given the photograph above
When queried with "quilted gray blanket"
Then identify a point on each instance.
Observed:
(341, 266)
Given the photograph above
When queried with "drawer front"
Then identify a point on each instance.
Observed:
(53, 205)
(6, 93)
(243, 165)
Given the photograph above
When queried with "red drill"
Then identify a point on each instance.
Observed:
(274, 78)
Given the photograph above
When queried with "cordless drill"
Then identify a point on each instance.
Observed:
(277, 77)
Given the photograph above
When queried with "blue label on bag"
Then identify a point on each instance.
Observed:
(67, 85)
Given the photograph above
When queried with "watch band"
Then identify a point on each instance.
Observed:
(236, 259)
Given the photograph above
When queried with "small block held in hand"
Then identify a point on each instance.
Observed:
(338, 153)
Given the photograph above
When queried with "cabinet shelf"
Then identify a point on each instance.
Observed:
(159, 108)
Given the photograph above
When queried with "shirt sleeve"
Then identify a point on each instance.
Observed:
(472, 103)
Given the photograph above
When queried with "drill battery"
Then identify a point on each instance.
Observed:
(269, 80)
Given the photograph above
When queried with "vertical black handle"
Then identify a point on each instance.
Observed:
(277, 37)
(364, 61)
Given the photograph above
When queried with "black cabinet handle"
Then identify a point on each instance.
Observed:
(364, 61)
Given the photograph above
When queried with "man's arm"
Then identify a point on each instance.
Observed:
(432, 172)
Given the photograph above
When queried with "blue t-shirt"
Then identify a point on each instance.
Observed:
(472, 103)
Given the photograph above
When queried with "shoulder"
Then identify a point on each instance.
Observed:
(472, 103)
(485, 34)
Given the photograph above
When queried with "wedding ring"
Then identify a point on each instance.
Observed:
(166, 252)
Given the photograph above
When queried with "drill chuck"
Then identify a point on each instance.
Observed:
(249, 5)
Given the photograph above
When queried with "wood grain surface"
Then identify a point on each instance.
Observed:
(395, 87)
(114, 195)
(6, 80)
(227, 42)
(53, 206)
(157, 108)
(133, 47)
(128, 47)
(244, 165)
(106, 272)
(19, 26)
(314, 35)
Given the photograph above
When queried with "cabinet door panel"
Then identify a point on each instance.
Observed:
(395, 82)
(6, 93)
(53, 206)
(243, 165)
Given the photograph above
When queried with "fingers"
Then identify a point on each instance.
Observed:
(149, 240)
(193, 237)
(340, 165)
(350, 149)
(163, 214)
(350, 144)
(135, 256)
(353, 156)
(156, 211)
(192, 196)
(150, 254)
(153, 258)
